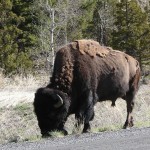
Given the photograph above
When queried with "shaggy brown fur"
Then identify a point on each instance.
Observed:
(63, 79)
(63, 74)
(86, 73)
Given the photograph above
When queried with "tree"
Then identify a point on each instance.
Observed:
(28, 37)
(101, 25)
(60, 21)
(12, 60)
(47, 32)
(132, 31)
(19, 38)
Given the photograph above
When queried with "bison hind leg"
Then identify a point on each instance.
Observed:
(128, 123)
(130, 105)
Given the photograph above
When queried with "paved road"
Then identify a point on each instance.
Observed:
(132, 139)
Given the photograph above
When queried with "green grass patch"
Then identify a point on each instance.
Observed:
(33, 138)
(142, 124)
(107, 128)
(22, 107)
(55, 134)
(24, 110)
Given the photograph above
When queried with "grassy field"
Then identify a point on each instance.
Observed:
(18, 122)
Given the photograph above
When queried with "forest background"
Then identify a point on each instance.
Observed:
(31, 31)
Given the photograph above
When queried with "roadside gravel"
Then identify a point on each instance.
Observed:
(131, 139)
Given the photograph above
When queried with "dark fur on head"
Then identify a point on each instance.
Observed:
(49, 118)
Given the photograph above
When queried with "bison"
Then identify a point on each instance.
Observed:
(85, 73)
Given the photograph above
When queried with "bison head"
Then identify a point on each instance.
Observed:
(51, 108)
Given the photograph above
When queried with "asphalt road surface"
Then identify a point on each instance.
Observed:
(130, 139)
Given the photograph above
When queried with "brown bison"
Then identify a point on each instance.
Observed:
(85, 73)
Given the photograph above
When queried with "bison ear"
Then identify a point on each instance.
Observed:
(60, 101)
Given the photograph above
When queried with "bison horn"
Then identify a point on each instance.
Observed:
(59, 103)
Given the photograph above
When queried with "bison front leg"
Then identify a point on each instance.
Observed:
(85, 118)
(63, 130)
(87, 127)
(61, 127)
(86, 111)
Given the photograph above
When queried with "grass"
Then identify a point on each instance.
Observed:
(56, 134)
(19, 123)
(107, 128)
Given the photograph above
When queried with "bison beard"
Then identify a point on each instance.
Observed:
(85, 73)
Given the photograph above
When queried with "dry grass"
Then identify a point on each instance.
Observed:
(18, 122)
(19, 89)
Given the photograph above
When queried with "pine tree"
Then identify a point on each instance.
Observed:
(9, 32)
(18, 35)
(132, 32)
(29, 38)
(101, 25)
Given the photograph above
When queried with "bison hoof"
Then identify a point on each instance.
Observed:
(128, 125)
(65, 132)
(46, 135)
(86, 131)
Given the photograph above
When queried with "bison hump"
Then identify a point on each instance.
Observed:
(92, 48)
